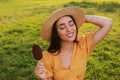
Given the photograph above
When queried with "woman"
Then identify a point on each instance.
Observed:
(67, 55)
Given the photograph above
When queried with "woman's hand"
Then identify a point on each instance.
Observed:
(40, 71)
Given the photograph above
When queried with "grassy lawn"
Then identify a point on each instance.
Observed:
(20, 24)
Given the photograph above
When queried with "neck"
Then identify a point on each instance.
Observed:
(66, 46)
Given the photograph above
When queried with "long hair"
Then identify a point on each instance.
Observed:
(55, 43)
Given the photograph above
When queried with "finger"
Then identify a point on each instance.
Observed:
(39, 71)
(39, 63)
(39, 68)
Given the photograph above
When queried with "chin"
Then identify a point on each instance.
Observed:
(71, 40)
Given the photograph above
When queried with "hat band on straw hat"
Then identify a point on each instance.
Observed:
(73, 11)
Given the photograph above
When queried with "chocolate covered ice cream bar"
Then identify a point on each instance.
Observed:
(37, 52)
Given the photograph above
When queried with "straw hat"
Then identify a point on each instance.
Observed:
(73, 11)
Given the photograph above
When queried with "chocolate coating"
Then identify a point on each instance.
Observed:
(37, 52)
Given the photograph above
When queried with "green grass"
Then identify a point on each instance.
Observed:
(20, 24)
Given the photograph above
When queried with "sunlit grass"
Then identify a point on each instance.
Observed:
(20, 24)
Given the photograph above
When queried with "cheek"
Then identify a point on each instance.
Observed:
(74, 28)
(61, 33)
(75, 31)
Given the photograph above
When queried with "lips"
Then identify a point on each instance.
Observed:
(70, 34)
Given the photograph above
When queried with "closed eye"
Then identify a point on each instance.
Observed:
(62, 26)
(71, 23)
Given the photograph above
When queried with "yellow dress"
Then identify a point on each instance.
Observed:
(81, 52)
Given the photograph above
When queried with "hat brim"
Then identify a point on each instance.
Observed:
(73, 11)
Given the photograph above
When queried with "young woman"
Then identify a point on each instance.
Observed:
(67, 55)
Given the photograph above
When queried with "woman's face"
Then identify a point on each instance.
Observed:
(66, 28)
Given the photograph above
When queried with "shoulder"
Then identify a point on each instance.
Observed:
(85, 41)
(47, 58)
(88, 36)
(47, 54)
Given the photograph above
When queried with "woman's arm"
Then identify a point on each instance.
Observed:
(104, 24)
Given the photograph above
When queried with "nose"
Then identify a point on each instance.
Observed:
(68, 28)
